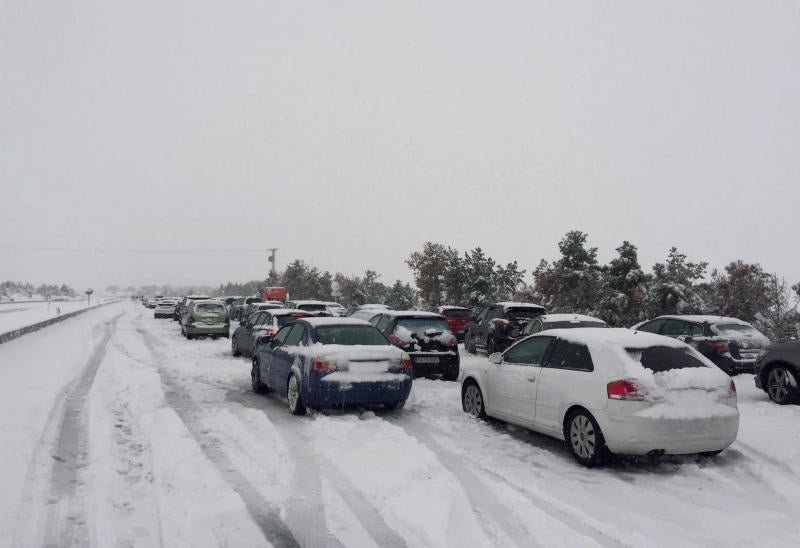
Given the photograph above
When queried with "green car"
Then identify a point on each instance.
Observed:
(206, 317)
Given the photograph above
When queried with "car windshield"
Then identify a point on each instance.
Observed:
(253, 300)
(312, 306)
(421, 325)
(664, 358)
(457, 313)
(209, 307)
(523, 312)
(350, 335)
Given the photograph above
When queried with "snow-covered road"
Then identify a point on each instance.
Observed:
(14, 315)
(121, 433)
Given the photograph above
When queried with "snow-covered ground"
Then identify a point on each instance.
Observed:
(20, 314)
(118, 432)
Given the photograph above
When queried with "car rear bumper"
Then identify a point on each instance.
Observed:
(637, 436)
(341, 393)
(222, 329)
(732, 365)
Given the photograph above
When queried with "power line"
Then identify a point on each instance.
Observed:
(119, 250)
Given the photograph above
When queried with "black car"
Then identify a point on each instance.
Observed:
(252, 308)
(261, 327)
(777, 372)
(561, 321)
(730, 343)
(425, 336)
(499, 325)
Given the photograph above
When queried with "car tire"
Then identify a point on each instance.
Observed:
(189, 336)
(295, 396)
(235, 348)
(584, 438)
(469, 346)
(255, 379)
(450, 375)
(395, 405)
(472, 399)
(709, 454)
(490, 344)
(781, 385)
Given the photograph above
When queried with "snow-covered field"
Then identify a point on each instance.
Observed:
(20, 314)
(118, 432)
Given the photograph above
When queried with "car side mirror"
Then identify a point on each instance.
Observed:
(496, 358)
(242, 322)
(263, 337)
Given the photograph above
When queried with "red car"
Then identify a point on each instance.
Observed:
(457, 318)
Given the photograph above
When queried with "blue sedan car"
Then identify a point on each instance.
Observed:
(332, 362)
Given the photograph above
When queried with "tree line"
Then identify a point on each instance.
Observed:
(620, 292)
(12, 290)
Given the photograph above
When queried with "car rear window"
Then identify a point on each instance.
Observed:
(523, 312)
(421, 325)
(350, 335)
(284, 319)
(664, 358)
(251, 300)
(313, 307)
(209, 307)
(567, 355)
(734, 329)
(457, 313)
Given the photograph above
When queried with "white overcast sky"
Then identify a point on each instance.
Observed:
(347, 133)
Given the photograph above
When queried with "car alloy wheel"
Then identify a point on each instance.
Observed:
(472, 401)
(296, 406)
(781, 385)
(582, 436)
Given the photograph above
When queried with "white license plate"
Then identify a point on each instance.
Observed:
(426, 359)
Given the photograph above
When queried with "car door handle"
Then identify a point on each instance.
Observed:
(531, 379)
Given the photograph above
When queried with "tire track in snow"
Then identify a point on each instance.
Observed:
(286, 425)
(460, 465)
(264, 514)
(65, 444)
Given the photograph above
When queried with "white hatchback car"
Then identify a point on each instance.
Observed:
(607, 390)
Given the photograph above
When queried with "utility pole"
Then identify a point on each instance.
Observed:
(272, 271)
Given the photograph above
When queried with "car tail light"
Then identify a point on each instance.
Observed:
(322, 366)
(625, 389)
(720, 347)
(501, 321)
(395, 340)
(297, 315)
(406, 364)
(731, 389)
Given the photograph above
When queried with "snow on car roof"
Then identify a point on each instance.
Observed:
(209, 301)
(286, 311)
(373, 305)
(452, 307)
(309, 302)
(510, 304)
(704, 318)
(316, 322)
(616, 336)
(569, 318)
(413, 313)
(197, 297)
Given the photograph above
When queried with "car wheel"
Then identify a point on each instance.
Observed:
(189, 336)
(296, 405)
(468, 345)
(472, 400)
(255, 379)
(709, 454)
(235, 348)
(781, 385)
(584, 438)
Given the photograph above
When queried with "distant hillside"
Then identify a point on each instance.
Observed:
(21, 291)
